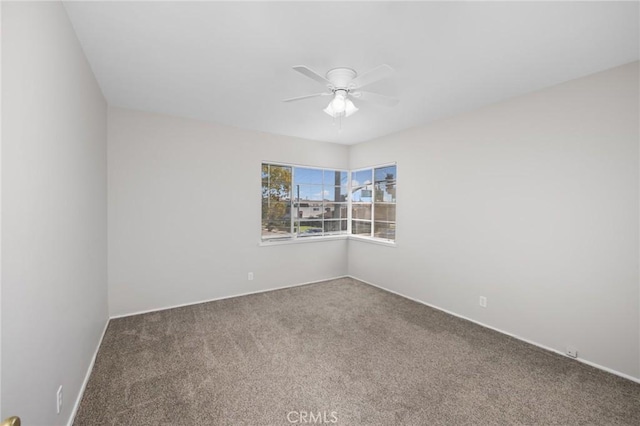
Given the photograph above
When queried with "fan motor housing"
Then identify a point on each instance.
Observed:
(341, 77)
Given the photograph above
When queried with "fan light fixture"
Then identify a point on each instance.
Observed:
(345, 84)
(340, 105)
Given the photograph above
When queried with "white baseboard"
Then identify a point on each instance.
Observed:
(584, 361)
(86, 377)
(224, 297)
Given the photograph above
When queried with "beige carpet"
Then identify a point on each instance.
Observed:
(337, 350)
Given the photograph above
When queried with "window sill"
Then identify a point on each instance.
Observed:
(301, 240)
(371, 240)
(304, 240)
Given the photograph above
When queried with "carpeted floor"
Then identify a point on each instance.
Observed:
(337, 350)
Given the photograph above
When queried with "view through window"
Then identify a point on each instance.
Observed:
(373, 202)
(299, 202)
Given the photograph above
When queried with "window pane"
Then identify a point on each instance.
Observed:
(385, 173)
(308, 228)
(386, 230)
(385, 212)
(385, 189)
(276, 229)
(276, 182)
(310, 209)
(361, 177)
(309, 176)
(344, 193)
(276, 201)
(385, 192)
(336, 193)
(362, 193)
(361, 228)
(280, 175)
(361, 185)
(361, 211)
(308, 192)
(335, 211)
(335, 178)
(276, 219)
(335, 226)
(276, 210)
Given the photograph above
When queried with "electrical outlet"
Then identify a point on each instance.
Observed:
(59, 400)
(250, 276)
(483, 301)
(572, 352)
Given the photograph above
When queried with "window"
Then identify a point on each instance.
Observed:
(373, 202)
(318, 199)
(276, 201)
(301, 202)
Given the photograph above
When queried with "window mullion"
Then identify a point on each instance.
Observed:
(373, 201)
(349, 203)
(293, 203)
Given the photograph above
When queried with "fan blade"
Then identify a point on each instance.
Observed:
(306, 96)
(376, 98)
(312, 75)
(369, 77)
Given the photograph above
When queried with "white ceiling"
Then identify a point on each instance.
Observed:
(230, 63)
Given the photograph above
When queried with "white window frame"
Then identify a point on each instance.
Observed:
(371, 238)
(294, 238)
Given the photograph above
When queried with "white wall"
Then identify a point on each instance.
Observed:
(184, 212)
(54, 282)
(532, 203)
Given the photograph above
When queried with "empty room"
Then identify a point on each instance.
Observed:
(292, 213)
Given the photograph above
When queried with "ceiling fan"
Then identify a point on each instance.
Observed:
(344, 84)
